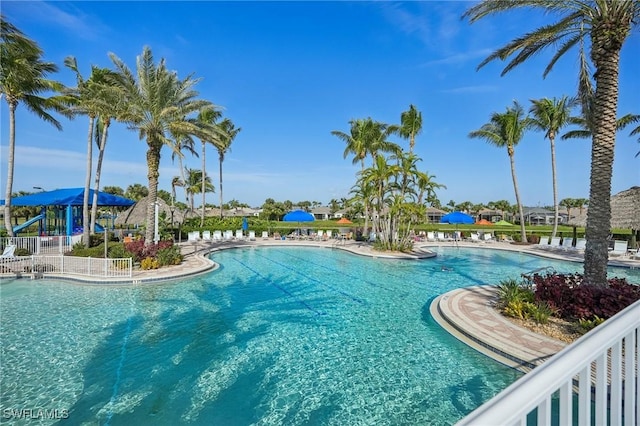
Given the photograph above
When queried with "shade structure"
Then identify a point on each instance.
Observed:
(503, 223)
(457, 218)
(484, 222)
(298, 216)
(344, 221)
(70, 197)
(625, 211)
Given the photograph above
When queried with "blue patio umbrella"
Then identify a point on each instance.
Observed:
(298, 216)
(456, 218)
(245, 223)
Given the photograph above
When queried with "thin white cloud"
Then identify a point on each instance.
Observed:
(459, 58)
(471, 89)
(71, 20)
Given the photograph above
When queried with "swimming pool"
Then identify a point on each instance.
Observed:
(277, 335)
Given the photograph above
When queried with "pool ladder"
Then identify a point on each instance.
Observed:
(529, 275)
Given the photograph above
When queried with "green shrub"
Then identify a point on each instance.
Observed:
(21, 251)
(169, 256)
(541, 312)
(586, 325)
(511, 290)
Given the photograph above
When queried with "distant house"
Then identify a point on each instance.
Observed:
(323, 213)
(542, 216)
(434, 215)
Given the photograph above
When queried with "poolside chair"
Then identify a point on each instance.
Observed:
(581, 243)
(239, 235)
(555, 243)
(9, 251)
(265, 235)
(252, 235)
(328, 234)
(620, 248)
(206, 235)
(567, 243)
(217, 236)
(475, 237)
(193, 236)
(228, 235)
(320, 235)
(487, 236)
(431, 236)
(544, 241)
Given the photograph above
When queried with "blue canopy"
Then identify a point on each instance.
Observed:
(298, 216)
(69, 197)
(457, 218)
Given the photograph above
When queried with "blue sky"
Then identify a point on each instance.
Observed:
(288, 73)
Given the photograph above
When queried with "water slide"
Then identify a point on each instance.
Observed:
(28, 223)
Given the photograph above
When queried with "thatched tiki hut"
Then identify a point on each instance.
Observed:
(136, 215)
(625, 213)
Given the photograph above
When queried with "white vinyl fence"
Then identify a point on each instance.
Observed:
(57, 265)
(594, 382)
(42, 245)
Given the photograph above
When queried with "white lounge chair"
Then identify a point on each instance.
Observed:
(252, 235)
(206, 235)
(475, 237)
(581, 243)
(9, 251)
(620, 248)
(193, 236)
(555, 243)
(239, 235)
(544, 241)
(329, 234)
(265, 235)
(228, 235)
(320, 235)
(567, 243)
(487, 236)
(431, 236)
(217, 236)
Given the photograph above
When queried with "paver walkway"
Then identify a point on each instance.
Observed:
(469, 315)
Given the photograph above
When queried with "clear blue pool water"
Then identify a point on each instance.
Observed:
(276, 336)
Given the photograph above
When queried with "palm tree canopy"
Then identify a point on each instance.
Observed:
(550, 115)
(504, 129)
(23, 77)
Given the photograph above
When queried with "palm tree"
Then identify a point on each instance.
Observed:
(506, 130)
(229, 133)
(88, 98)
(23, 79)
(194, 184)
(159, 106)
(208, 116)
(549, 116)
(607, 24)
(410, 125)
(366, 138)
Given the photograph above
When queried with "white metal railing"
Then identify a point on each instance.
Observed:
(600, 369)
(42, 245)
(66, 265)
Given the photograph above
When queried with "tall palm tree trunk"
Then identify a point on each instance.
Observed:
(96, 188)
(86, 228)
(153, 164)
(203, 184)
(10, 166)
(602, 149)
(221, 210)
(523, 231)
(555, 185)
